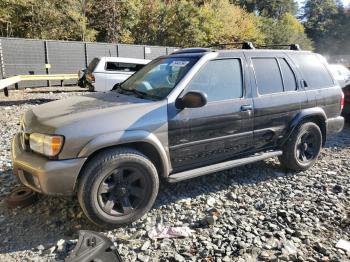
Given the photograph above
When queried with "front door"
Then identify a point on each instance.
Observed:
(220, 130)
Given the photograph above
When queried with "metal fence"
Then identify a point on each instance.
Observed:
(37, 57)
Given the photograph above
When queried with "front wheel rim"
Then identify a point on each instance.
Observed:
(121, 191)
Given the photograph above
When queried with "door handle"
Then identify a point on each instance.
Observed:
(246, 108)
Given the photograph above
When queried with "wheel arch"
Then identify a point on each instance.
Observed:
(316, 115)
(146, 143)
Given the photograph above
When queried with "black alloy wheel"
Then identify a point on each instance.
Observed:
(117, 187)
(303, 147)
(122, 191)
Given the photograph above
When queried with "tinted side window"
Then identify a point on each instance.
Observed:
(219, 79)
(267, 75)
(313, 70)
(289, 81)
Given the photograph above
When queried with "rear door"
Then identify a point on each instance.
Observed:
(277, 96)
(220, 130)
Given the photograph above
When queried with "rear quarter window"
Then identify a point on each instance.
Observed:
(313, 70)
(267, 75)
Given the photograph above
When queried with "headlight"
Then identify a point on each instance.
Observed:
(45, 144)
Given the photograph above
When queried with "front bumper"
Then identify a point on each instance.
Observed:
(335, 125)
(51, 177)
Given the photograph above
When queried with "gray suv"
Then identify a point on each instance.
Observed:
(194, 112)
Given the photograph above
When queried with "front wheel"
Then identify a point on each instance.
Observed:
(303, 147)
(118, 186)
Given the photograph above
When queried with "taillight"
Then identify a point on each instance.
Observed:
(90, 77)
(342, 101)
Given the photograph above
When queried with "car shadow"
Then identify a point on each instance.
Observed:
(83, 90)
(37, 101)
(54, 218)
(340, 140)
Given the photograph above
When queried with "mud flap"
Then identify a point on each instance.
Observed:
(93, 246)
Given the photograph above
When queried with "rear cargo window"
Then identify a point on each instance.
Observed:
(313, 71)
(267, 75)
(124, 67)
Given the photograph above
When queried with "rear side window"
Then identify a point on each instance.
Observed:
(219, 79)
(267, 75)
(124, 67)
(313, 71)
(289, 81)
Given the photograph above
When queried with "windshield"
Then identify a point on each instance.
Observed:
(158, 78)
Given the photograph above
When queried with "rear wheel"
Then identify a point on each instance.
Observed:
(303, 147)
(118, 187)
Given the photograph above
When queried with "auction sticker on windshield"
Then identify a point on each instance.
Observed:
(179, 63)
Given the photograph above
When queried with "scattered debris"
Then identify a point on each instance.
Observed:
(169, 232)
(211, 219)
(21, 197)
(146, 245)
(344, 245)
(93, 246)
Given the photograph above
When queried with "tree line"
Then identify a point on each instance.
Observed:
(321, 24)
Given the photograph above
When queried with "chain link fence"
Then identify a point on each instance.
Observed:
(38, 57)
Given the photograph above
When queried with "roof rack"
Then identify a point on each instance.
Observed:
(192, 50)
(245, 45)
(295, 47)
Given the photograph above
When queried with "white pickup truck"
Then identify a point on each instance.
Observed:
(104, 72)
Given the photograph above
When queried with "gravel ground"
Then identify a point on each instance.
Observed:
(252, 213)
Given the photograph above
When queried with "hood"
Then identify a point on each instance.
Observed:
(88, 111)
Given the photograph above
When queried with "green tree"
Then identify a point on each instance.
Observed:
(269, 8)
(50, 19)
(113, 19)
(190, 23)
(286, 30)
(318, 16)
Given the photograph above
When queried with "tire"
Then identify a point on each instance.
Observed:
(117, 187)
(302, 149)
(91, 88)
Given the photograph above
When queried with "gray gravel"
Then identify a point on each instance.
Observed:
(262, 213)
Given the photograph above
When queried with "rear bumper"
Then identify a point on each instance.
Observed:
(51, 177)
(335, 125)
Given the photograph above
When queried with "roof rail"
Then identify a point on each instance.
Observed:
(245, 45)
(295, 47)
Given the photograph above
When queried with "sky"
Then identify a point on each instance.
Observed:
(345, 2)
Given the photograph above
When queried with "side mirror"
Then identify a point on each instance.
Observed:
(192, 99)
